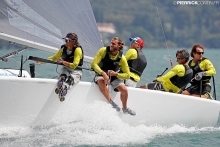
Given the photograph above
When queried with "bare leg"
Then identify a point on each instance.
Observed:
(124, 95)
(202, 96)
(103, 88)
(185, 92)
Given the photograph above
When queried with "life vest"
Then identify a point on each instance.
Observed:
(196, 69)
(138, 65)
(70, 57)
(181, 82)
(108, 64)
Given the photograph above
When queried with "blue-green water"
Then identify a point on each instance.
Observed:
(90, 130)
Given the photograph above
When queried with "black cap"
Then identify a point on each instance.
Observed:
(71, 36)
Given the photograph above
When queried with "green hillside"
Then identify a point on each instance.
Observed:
(155, 22)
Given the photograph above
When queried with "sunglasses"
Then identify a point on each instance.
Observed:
(199, 53)
(68, 40)
(179, 58)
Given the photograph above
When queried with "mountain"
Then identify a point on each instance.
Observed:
(162, 24)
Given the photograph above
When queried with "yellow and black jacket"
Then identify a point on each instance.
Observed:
(203, 65)
(136, 62)
(177, 78)
(104, 61)
(75, 57)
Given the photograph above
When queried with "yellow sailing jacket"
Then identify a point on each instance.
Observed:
(131, 55)
(77, 56)
(122, 63)
(165, 80)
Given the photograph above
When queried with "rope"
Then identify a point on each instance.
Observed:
(171, 63)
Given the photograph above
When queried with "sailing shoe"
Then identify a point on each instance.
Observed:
(62, 99)
(129, 111)
(59, 87)
(209, 96)
(63, 91)
(59, 84)
(114, 105)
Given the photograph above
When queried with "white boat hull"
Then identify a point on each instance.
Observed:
(32, 101)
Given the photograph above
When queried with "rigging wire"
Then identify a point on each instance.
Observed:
(171, 63)
(14, 53)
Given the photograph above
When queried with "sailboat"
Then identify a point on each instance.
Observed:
(29, 101)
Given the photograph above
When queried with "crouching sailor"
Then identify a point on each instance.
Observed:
(136, 61)
(71, 56)
(203, 70)
(177, 78)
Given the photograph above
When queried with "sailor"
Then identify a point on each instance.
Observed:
(203, 70)
(70, 55)
(177, 78)
(106, 64)
(136, 61)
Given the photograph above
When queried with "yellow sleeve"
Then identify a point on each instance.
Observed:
(131, 54)
(125, 69)
(56, 56)
(208, 66)
(97, 59)
(176, 70)
(77, 56)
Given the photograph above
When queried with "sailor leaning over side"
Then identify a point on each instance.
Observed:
(203, 70)
(70, 55)
(177, 78)
(106, 64)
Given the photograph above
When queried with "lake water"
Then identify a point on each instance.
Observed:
(89, 130)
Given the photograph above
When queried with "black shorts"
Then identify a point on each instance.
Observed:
(195, 89)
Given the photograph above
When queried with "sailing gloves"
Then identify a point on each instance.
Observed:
(199, 75)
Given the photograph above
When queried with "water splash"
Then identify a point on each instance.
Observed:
(96, 124)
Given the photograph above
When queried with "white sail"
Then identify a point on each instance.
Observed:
(41, 24)
(32, 101)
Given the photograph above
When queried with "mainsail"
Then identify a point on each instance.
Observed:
(41, 24)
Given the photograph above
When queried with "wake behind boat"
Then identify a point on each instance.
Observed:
(27, 101)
